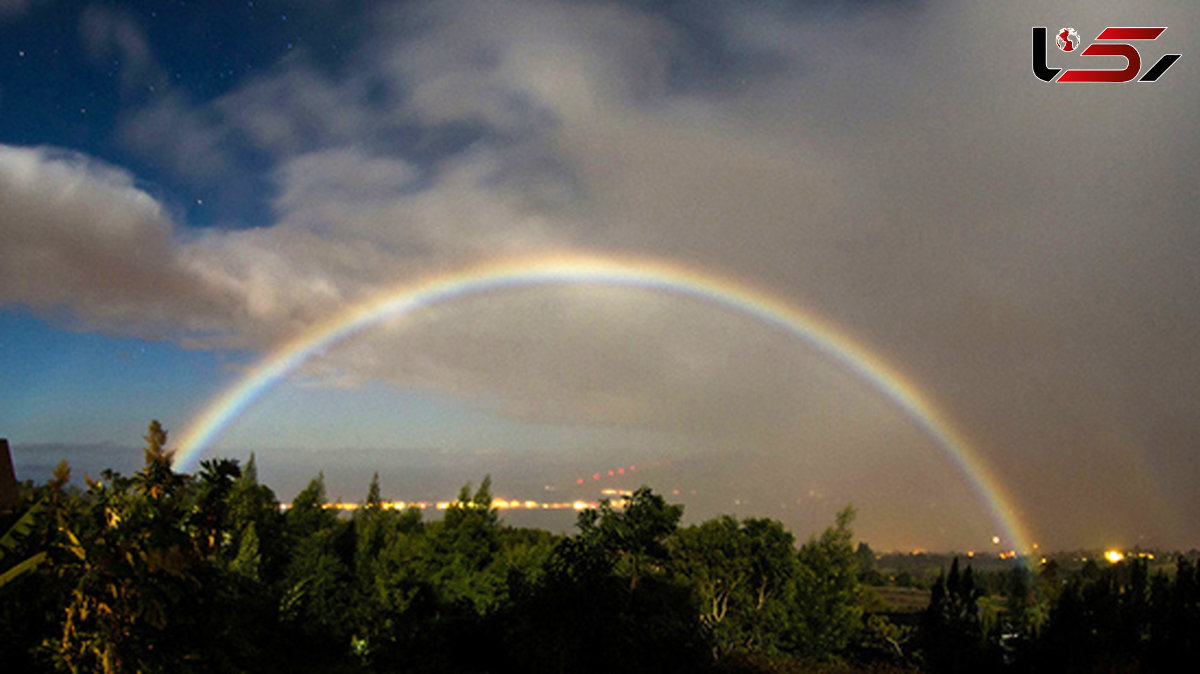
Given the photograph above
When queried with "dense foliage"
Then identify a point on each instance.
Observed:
(166, 572)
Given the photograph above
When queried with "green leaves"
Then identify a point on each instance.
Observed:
(21, 568)
(635, 535)
(20, 529)
(741, 574)
(829, 601)
(16, 534)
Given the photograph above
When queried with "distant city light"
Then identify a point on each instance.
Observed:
(995, 540)
(497, 503)
(1113, 556)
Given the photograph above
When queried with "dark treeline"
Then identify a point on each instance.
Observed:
(167, 572)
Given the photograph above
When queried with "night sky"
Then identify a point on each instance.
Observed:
(186, 186)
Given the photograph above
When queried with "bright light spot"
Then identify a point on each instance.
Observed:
(579, 481)
(633, 468)
(621, 471)
(610, 473)
(595, 476)
(995, 540)
(1113, 556)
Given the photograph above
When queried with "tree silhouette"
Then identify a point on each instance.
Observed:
(828, 607)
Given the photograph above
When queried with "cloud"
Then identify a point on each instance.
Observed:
(113, 39)
(510, 66)
(81, 236)
(190, 141)
(295, 108)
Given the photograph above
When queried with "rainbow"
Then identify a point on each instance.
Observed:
(645, 274)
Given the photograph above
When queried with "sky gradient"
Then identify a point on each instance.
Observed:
(187, 187)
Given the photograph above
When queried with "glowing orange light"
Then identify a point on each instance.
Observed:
(1113, 556)
(996, 540)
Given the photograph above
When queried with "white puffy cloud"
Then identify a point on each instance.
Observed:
(79, 235)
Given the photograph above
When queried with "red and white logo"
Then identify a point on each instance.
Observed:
(1067, 39)
(1112, 41)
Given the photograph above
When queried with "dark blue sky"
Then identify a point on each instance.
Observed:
(73, 73)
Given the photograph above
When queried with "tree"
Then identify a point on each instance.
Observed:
(828, 607)
(462, 559)
(711, 558)
(156, 479)
(133, 574)
(210, 509)
(627, 613)
(251, 506)
(635, 534)
(952, 635)
(317, 587)
(307, 515)
(741, 574)
(373, 502)
(868, 574)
